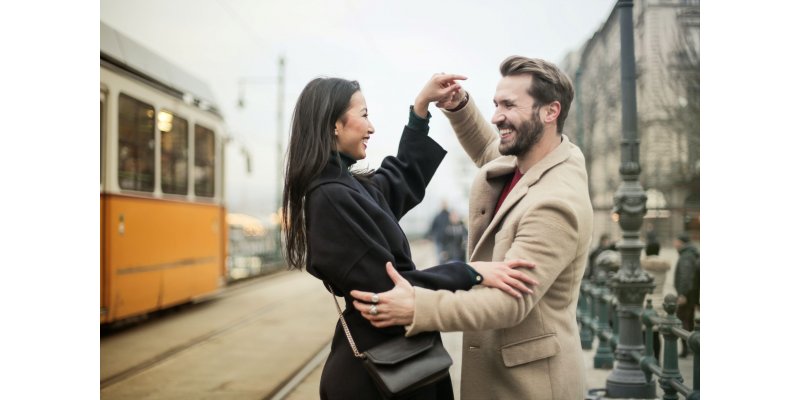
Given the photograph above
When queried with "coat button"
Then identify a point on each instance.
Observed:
(483, 211)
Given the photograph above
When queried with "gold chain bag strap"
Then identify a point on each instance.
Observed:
(402, 365)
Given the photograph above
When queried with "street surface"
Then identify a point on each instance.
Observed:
(241, 345)
(265, 338)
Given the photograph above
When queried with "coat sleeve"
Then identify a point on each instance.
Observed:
(347, 249)
(474, 133)
(402, 179)
(548, 236)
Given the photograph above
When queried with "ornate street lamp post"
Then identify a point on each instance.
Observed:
(278, 80)
(630, 284)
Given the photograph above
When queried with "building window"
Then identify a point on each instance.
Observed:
(174, 153)
(136, 170)
(204, 159)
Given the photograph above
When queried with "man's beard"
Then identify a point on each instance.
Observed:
(526, 136)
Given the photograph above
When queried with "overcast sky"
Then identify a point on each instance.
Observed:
(391, 48)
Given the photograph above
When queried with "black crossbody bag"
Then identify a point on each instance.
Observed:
(402, 365)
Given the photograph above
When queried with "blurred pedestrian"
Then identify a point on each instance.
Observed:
(436, 231)
(687, 283)
(658, 267)
(651, 234)
(454, 239)
(591, 264)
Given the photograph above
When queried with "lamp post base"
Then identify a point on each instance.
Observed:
(628, 382)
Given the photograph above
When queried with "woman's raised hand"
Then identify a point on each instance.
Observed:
(441, 88)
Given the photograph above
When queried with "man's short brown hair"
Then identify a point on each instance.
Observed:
(549, 83)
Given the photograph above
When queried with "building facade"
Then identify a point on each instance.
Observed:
(667, 41)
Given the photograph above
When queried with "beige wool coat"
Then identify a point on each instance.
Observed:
(527, 348)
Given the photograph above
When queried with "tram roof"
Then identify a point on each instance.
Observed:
(135, 58)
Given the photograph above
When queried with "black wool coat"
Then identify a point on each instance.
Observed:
(352, 231)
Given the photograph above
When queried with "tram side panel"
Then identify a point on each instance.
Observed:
(161, 253)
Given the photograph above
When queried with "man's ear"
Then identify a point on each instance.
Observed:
(553, 111)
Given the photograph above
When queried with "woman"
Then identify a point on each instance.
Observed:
(343, 226)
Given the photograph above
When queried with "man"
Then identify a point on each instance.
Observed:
(530, 201)
(687, 283)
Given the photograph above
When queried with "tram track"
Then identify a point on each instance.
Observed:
(297, 376)
(230, 289)
(143, 366)
(261, 313)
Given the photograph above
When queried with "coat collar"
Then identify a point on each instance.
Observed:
(506, 165)
(336, 170)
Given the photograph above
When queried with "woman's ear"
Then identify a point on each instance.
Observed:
(338, 127)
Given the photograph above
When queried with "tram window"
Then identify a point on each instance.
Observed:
(203, 161)
(136, 144)
(174, 153)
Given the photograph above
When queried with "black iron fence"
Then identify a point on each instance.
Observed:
(597, 317)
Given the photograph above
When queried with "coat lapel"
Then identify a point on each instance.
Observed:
(484, 194)
(505, 165)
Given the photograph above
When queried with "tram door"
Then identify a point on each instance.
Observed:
(103, 278)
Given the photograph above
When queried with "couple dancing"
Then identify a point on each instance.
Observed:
(529, 205)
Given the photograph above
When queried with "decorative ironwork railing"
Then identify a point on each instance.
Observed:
(598, 317)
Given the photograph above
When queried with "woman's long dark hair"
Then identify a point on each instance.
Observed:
(322, 102)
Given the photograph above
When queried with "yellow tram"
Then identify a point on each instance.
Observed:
(162, 214)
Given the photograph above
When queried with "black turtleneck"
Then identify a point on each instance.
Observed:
(343, 160)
